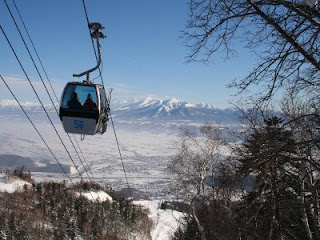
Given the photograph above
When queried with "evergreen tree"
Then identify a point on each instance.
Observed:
(71, 230)
(12, 228)
(271, 209)
(2, 226)
(27, 214)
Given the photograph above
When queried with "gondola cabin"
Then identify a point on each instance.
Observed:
(83, 108)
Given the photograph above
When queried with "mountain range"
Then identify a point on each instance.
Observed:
(150, 111)
(173, 109)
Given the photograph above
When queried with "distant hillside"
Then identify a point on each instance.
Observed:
(12, 161)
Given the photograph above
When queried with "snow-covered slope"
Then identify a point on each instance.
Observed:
(11, 184)
(165, 222)
(97, 196)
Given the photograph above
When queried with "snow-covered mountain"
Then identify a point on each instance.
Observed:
(150, 107)
(147, 130)
(173, 109)
(150, 114)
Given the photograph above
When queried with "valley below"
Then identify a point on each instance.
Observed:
(147, 132)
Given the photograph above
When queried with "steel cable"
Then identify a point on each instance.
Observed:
(33, 125)
(39, 71)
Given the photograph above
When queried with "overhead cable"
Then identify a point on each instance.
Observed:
(39, 59)
(34, 48)
(25, 73)
(108, 101)
(26, 46)
(93, 46)
(34, 90)
(121, 158)
(33, 125)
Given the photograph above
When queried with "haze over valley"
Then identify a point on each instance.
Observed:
(147, 130)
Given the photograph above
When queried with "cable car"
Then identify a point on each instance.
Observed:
(84, 106)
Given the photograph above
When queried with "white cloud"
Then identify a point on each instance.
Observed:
(8, 103)
(13, 103)
(22, 89)
(122, 92)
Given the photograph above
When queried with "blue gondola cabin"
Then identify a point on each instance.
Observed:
(83, 108)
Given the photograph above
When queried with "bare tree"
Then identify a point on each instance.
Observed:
(284, 34)
(199, 154)
(304, 119)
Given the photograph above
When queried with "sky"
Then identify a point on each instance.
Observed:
(143, 54)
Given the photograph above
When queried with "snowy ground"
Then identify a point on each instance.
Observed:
(11, 184)
(165, 221)
(100, 196)
(145, 154)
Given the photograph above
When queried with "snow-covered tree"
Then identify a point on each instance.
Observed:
(198, 173)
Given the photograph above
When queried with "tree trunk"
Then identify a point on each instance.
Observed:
(304, 213)
(315, 201)
(194, 215)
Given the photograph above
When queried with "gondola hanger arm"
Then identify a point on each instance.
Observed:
(95, 34)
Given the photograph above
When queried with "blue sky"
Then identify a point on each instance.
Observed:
(142, 55)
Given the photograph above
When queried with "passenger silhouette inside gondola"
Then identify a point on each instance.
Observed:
(74, 103)
(89, 104)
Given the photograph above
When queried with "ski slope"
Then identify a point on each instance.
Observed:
(165, 222)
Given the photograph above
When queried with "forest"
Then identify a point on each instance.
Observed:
(267, 187)
(54, 210)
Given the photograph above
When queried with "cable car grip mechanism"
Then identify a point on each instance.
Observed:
(95, 34)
